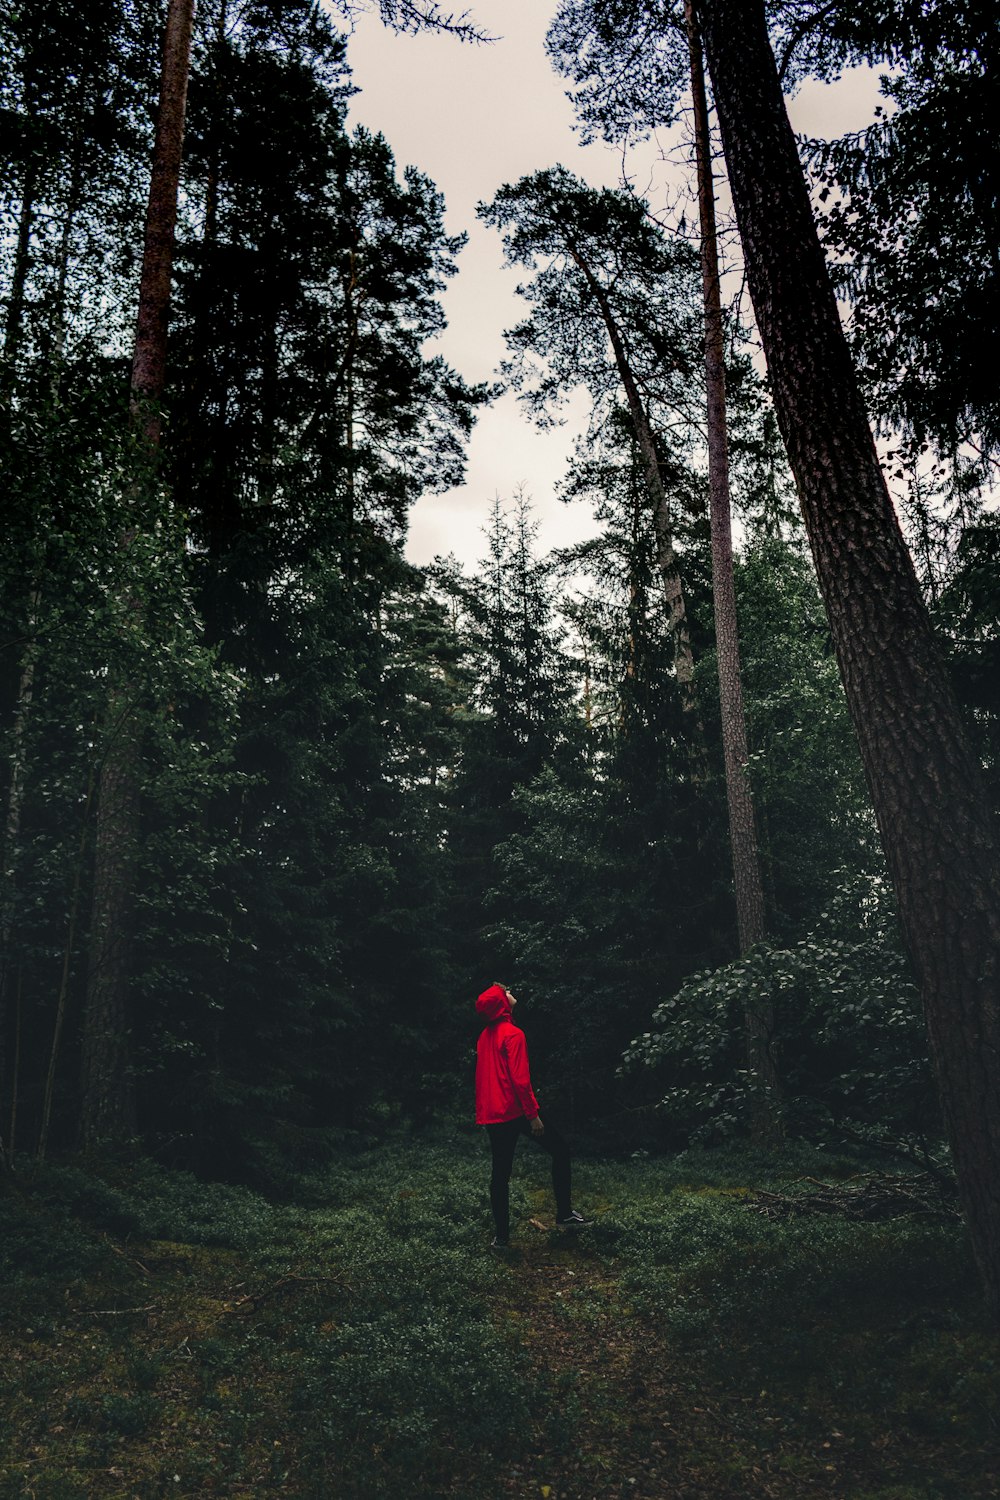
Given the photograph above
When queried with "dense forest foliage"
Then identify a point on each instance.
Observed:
(356, 790)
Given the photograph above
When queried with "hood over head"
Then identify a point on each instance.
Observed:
(493, 1004)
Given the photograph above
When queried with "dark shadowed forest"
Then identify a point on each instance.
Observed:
(714, 790)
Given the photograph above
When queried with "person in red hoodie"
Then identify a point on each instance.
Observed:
(506, 1105)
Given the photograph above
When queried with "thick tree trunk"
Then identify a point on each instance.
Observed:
(107, 1106)
(925, 784)
(747, 883)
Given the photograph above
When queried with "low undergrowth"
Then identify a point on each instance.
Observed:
(167, 1337)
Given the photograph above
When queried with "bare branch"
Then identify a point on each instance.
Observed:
(413, 16)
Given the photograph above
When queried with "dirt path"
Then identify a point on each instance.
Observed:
(630, 1430)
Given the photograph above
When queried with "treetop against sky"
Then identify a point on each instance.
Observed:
(474, 117)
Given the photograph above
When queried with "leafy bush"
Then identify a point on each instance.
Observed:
(850, 1038)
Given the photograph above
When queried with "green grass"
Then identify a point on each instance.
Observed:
(167, 1337)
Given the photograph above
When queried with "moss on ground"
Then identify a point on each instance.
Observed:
(167, 1337)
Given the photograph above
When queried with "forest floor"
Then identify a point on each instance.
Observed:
(727, 1328)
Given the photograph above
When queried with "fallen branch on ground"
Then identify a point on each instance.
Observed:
(867, 1197)
(254, 1299)
(114, 1312)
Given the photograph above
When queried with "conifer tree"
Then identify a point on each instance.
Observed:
(519, 714)
(913, 201)
(107, 1110)
(606, 277)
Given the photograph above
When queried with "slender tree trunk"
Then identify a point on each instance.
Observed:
(57, 323)
(666, 557)
(748, 886)
(12, 825)
(107, 1104)
(199, 465)
(62, 997)
(269, 411)
(352, 313)
(211, 225)
(19, 272)
(15, 794)
(587, 698)
(926, 786)
(15, 1082)
(636, 594)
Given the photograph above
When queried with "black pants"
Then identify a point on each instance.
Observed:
(503, 1142)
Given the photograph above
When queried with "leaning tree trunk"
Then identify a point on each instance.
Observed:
(666, 557)
(107, 1105)
(747, 883)
(926, 786)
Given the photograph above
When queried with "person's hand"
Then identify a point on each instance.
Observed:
(537, 1128)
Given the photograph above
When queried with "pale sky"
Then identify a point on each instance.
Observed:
(473, 117)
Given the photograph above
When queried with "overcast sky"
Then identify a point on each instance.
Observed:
(473, 117)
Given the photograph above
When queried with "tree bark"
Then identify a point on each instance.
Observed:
(747, 883)
(149, 361)
(107, 1104)
(926, 786)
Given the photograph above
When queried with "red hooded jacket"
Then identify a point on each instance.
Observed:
(503, 1084)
